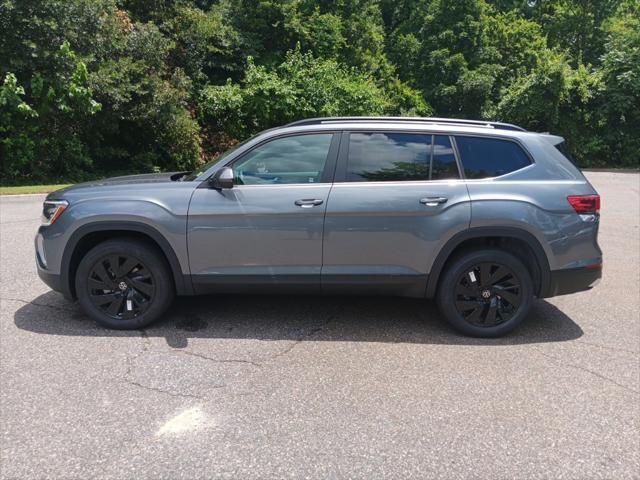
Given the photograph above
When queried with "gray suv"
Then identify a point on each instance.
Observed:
(480, 216)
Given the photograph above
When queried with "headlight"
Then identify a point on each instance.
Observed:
(52, 209)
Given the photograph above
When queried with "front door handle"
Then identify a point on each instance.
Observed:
(308, 202)
(433, 201)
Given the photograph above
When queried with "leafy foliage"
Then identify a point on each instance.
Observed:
(97, 87)
(302, 86)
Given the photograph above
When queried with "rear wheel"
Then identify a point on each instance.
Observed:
(124, 284)
(485, 293)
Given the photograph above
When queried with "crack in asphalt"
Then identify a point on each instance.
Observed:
(298, 341)
(258, 364)
(167, 392)
(216, 360)
(45, 305)
(146, 343)
(584, 369)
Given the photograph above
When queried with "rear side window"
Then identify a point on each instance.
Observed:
(490, 157)
(386, 156)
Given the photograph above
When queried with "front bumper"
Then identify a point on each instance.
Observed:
(573, 280)
(51, 279)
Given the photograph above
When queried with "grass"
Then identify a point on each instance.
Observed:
(30, 189)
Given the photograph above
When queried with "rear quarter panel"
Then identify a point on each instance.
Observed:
(535, 199)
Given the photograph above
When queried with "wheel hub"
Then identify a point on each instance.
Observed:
(121, 286)
(488, 294)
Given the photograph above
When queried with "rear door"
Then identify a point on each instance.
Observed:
(396, 199)
(267, 229)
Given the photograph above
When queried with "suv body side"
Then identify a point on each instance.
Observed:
(182, 218)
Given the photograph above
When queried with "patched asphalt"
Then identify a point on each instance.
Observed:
(309, 387)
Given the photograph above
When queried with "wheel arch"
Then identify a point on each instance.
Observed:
(513, 239)
(89, 235)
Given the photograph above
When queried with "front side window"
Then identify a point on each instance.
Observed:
(286, 160)
(490, 157)
(386, 156)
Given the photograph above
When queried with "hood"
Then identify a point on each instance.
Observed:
(124, 180)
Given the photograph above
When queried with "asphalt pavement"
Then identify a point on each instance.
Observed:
(250, 387)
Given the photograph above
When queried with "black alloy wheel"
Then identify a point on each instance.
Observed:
(124, 283)
(121, 286)
(488, 294)
(485, 293)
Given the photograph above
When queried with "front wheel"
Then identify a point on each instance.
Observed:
(485, 293)
(124, 284)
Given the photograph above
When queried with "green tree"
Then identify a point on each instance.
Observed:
(620, 97)
(575, 26)
(52, 146)
(302, 86)
(441, 48)
(97, 87)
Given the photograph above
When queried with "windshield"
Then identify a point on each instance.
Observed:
(195, 174)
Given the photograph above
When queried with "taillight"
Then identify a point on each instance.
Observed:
(585, 203)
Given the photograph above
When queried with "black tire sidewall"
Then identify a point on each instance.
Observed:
(152, 260)
(446, 291)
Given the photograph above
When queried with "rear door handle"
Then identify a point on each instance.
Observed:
(433, 201)
(308, 202)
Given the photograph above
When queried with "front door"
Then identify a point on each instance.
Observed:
(267, 229)
(396, 199)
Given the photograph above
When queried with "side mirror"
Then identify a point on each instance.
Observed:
(223, 178)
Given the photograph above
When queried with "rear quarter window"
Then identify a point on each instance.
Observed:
(484, 157)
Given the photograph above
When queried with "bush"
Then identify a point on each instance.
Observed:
(97, 87)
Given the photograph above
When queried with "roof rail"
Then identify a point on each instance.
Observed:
(430, 120)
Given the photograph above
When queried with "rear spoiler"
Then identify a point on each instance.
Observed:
(552, 139)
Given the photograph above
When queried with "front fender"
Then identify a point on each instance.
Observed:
(167, 228)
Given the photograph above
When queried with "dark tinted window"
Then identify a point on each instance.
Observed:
(443, 165)
(379, 157)
(295, 159)
(383, 156)
(490, 157)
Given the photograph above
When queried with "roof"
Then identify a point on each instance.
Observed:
(434, 121)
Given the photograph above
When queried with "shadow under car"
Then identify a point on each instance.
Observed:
(317, 318)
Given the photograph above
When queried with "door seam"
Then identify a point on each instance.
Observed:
(326, 207)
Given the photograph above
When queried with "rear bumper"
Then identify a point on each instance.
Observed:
(573, 280)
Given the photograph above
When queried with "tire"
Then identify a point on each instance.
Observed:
(485, 293)
(127, 297)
